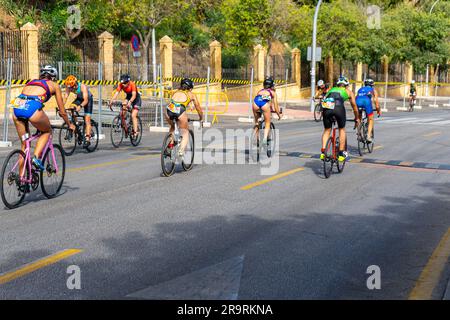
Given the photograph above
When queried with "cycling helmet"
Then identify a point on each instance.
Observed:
(49, 72)
(71, 81)
(321, 84)
(369, 83)
(125, 78)
(269, 83)
(342, 81)
(187, 83)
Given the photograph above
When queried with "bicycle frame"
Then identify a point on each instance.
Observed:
(27, 160)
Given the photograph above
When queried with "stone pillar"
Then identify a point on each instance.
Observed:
(106, 54)
(260, 57)
(359, 78)
(385, 66)
(215, 50)
(408, 72)
(329, 69)
(165, 53)
(296, 66)
(30, 44)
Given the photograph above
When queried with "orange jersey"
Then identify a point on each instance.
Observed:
(128, 89)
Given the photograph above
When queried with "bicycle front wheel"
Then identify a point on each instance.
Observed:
(12, 191)
(116, 132)
(318, 113)
(361, 138)
(340, 165)
(189, 151)
(52, 177)
(136, 139)
(271, 141)
(168, 156)
(328, 161)
(94, 137)
(67, 140)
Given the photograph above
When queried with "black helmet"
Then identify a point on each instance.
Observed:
(125, 78)
(269, 83)
(49, 71)
(369, 83)
(187, 83)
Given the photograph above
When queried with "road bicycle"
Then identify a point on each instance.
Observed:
(258, 137)
(69, 139)
(362, 134)
(20, 177)
(122, 127)
(332, 151)
(170, 150)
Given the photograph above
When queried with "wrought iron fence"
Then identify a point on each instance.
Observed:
(12, 45)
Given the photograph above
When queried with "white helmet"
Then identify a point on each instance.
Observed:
(413, 81)
(49, 70)
(320, 83)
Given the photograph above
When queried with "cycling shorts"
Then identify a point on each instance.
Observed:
(89, 107)
(136, 104)
(365, 103)
(338, 113)
(26, 106)
(261, 101)
(173, 115)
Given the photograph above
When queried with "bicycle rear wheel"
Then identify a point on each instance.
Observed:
(372, 144)
(340, 165)
(168, 156)
(328, 161)
(94, 137)
(67, 139)
(271, 141)
(12, 191)
(137, 139)
(116, 131)
(189, 151)
(52, 177)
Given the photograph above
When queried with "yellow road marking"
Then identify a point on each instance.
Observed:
(431, 274)
(33, 266)
(356, 160)
(381, 161)
(431, 134)
(378, 147)
(406, 163)
(275, 177)
(110, 163)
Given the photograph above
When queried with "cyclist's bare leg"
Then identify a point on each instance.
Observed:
(256, 115)
(21, 128)
(267, 119)
(87, 121)
(184, 130)
(369, 130)
(134, 114)
(325, 136)
(342, 138)
(41, 122)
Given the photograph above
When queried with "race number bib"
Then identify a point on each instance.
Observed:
(19, 103)
(173, 108)
(328, 103)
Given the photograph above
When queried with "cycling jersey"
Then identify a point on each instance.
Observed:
(26, 105)
(176, 108)
(262, 99)
(129, 91)
(364, 99)
(333, 107)
(43, 84)
(79, 100)
(412, 90)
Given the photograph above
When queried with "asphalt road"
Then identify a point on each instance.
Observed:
(228, 232)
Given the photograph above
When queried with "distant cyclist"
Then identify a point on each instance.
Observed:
(177, 107)
(84, 100)
(322, 89)
(133, 100)
(364, 101)
(334, 100)
(265, 101)
(412, 92)
(29, 106)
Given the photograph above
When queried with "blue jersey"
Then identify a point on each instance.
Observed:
(366, 92)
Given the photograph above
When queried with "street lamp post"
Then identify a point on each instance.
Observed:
(313, 58)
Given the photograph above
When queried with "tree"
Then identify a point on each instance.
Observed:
(144, 16)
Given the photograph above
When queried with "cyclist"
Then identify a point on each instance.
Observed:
(265, 101)
(179, 102)
(133, 99)
(333, 107)
(29, 106)
(412, 92)
(364, 101)
(322, 89)
(83, 100)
